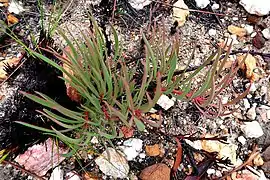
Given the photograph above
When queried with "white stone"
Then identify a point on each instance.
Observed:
(263, 90)
(180, 12)
(142, 155)
(212, 32)
(92, 2)
(258, 7)
(262, 175)
(218, 173)
(15, 7)
(195, 144)
(222, 126)
(253, 88)
(165, 102)
(224, 99)
(235, 18)
(246, 103)
(249, 29)
(113, 163)
(139, 4)
(242, 140)
(266, 33)
(202, 3)
(94, 140)
(251, 113)
(252, 129)
(233, 39)
(249, 96)
(132, 148)
(253, 34)
(72, 176)
(268, 114)
(211, 171)
(57, 174)
(264, 107)
(215, 6)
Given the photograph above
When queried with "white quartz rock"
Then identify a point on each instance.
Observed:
(139, 4)
(132, 148)
(202, 3)
(258, 7)
(252, 129)
(15, 7)
(165, 102)
(266, 33)
(57, 174)
(113, 163)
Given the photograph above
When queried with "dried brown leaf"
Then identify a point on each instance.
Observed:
(12, 19)
(71, 91)
(10, 62)
(237, 30)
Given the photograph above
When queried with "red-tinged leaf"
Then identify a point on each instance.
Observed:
(179, 156)
(241, 96)
(127, 131)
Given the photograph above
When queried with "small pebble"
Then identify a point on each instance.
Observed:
(258, 7)
(234, 39)
(242, 140)
(246, 103)
(266, 33)
(218, 173)
(268, 114)
(253, 34)
(202, 3)
(195, 144)
(222, 126)
(165, 102)
(258, 41)
(249, 29)
(94, 140)
(139, 4)
(211, 171)
(263, 90)
(225, 100)
(112, 163)
(215, 6)
(251, 113)
(212, 32)
(252, 129)
(142, 155)
(252, 88)
(131, 148)
(249, 96)
(57, 174)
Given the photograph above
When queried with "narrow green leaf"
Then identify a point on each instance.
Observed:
(139, 124)
(35, 127)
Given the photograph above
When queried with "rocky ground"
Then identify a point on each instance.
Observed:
(235, 146)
